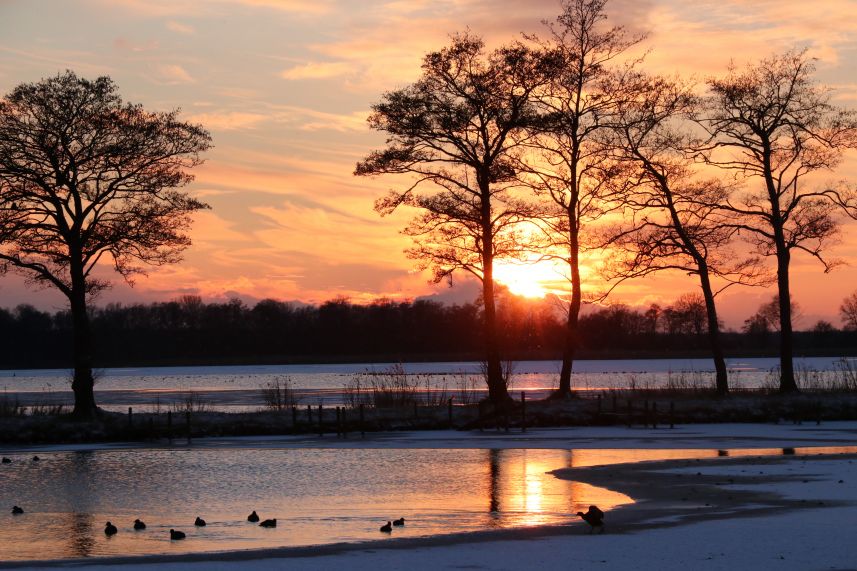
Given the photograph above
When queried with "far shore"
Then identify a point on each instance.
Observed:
(845, 350)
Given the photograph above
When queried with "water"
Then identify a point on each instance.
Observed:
(239, 387)
(319, 496)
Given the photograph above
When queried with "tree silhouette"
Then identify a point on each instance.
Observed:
(675, 220)
(454, 129)
(848, 311)
(569, 164)
(771, 126)
(86, 178)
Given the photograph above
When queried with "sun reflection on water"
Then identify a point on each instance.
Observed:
(318, 495)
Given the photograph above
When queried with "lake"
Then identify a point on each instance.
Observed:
(319, 496)
(239, 387)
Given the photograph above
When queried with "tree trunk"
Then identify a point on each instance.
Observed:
(721, 379)
(83, 382)
(569, 349)
(497, 390)
(787, 374)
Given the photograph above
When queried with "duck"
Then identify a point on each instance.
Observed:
(138, 524)
(199, 522)
(17, 510)
(594, 517)
(174, 535)
(36, 458)
(110, 529)
(387, 527)
(253, 517)
(7, 460)
(399, 522)
(269, 523)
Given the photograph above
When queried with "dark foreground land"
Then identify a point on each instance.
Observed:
(653, 408)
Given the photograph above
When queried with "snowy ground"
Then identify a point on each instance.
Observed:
(784, 512)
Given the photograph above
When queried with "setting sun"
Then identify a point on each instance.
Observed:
(533, 279)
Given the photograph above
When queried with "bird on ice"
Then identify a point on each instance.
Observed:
(594, 517)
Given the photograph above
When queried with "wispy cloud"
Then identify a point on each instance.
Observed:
(314, 7)
(227, 120)
(180, 28)
(317, 70)
(172, 74)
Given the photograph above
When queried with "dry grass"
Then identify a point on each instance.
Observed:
(279, 394)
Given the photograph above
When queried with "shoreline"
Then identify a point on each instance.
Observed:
(630, 408)
(650, 510)
(659, 489)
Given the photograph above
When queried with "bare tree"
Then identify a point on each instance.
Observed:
(572, 167)
(86, 178)
(771, 126)
(848, 311)
(767, 317)
(675, 222)
(453, 131)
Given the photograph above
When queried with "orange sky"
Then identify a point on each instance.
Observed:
(285, 87)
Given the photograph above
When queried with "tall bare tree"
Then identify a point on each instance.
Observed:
(452, 130)
(570, 166)
(84, 179)
(772, 126)
(675, 221)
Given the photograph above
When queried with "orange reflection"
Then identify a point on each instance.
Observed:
(523, 493)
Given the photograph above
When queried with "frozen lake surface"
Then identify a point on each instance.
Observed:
(318, 495)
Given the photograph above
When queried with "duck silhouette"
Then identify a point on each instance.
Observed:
(199, 522)
(138, 524)
(174, 535)
(387, 527)
(17, 511)
(594, 517)
(253, 517)
(35, 458)
(269, 523)
(6, 460)
(399, 522)
(110, 529)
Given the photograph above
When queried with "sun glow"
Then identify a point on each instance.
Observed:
(533, 279)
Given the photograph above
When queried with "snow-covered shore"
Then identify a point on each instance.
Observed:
(782, 512)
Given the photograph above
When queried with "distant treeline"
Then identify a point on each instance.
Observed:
(188, 331)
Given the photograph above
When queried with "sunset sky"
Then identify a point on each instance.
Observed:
(285, 86)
